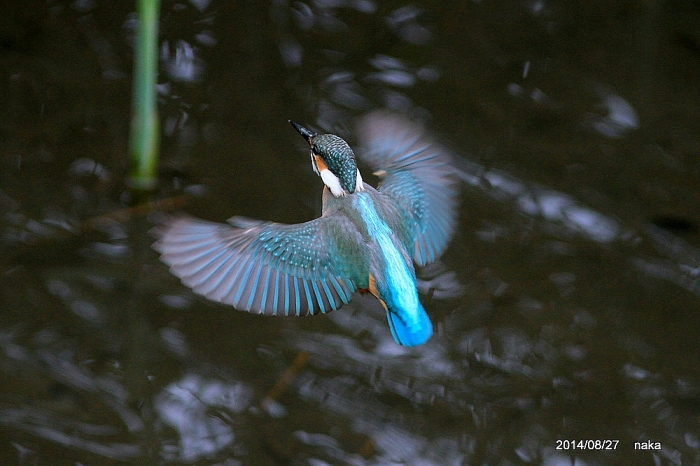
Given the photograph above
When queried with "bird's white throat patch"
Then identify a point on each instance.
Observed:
(333, 182)
(359, 182)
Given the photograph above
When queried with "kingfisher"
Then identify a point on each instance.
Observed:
(366, 239)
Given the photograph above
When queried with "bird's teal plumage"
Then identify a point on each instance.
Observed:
(339, 159)
(366, 238)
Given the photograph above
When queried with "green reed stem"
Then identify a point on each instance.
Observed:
(144, 137)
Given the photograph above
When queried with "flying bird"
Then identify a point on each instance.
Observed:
(366, 239)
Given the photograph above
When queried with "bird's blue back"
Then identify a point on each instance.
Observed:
(387, 269)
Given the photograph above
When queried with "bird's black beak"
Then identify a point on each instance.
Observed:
(303, 131)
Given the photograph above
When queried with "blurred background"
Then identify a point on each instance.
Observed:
(566, 308)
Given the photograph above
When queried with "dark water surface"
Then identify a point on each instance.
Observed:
(567, 307)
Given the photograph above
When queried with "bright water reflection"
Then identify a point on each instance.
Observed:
(188, 406)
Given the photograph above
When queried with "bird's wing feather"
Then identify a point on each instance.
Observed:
(417, 173)
(262, 267)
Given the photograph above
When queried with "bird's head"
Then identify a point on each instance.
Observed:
(333, 160)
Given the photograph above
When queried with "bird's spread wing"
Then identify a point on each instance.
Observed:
(417, 173)
(261, 267)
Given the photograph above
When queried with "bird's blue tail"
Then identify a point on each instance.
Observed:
(412, 331)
